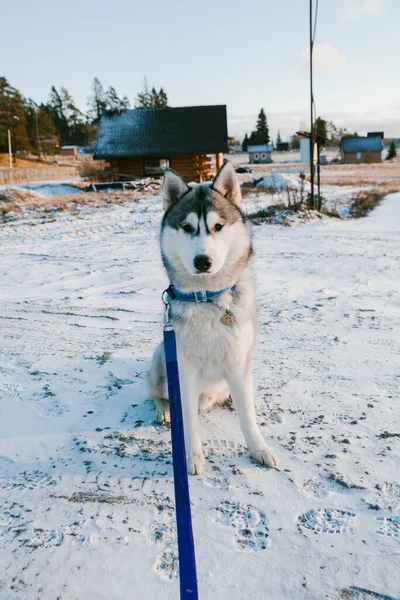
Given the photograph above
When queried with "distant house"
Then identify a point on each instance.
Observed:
(362, 149)
(282, 146)
(69, 151)
(260, 153)
(145, 142)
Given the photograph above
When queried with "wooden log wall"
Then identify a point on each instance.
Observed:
(192, 167)
(132, 165)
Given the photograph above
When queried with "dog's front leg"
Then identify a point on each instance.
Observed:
(190, 391)
(241, 387)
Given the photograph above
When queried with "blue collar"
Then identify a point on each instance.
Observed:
(201, 296)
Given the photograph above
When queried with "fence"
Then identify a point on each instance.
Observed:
(23, 175)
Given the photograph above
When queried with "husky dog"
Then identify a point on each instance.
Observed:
(206, 248)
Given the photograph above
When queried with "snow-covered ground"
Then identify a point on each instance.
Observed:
(86, 492)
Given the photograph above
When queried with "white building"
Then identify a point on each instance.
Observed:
(305, 150)
(260, 153)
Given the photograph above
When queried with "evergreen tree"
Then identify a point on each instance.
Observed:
(392, 150)
(295, 142)
(151, 98)
(278, 138)
(68, 119)
(56, 108)
(245, 142)
(321, 131)
(261, 134)
(41, 129)
(144, 98)
(13, 118)
(162, 99)
(111, 100)
(96, 102)
(262, 128)
(125, 104)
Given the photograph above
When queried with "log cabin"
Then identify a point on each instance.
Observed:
(144, 142)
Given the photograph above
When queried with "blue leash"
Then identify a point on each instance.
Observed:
(187, 559)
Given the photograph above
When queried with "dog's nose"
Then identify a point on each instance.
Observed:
(202, 263)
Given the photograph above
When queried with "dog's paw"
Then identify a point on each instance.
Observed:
(162, 414)
(196, 464)
(264, 456)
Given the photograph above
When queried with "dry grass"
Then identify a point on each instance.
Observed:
(18, 203)
(30, 162)
(386, 175)
(96, 172)
(250, 187)
(363, 202)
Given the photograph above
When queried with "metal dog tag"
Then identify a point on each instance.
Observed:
(228, 318)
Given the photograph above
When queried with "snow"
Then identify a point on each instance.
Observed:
(47, 189)
(86, 493)
(280, 181)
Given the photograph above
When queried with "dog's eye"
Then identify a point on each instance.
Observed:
(218, 227)
(187, 228)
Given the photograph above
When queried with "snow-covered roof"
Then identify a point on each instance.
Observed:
(362, 144)
(158, 131)
(260, 148)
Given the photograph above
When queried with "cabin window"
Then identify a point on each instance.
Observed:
(155, 166)
(263, 156)
(256, 156)
(358, 156)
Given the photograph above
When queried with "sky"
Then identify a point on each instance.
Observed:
(246, 55)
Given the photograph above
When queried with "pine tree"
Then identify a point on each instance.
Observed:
(96, 102)
(261, 134)
(112, 103)
(262, 128)
(151, 98)
(13, 117)
(392, 150)
(278, 138)
(245, 142)
(56, 108)
(125, 104)
(144, 98)
(321, 131)
(162, 98)
(41, 129)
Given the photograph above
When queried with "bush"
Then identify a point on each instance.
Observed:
(96, 174)
(364, 202)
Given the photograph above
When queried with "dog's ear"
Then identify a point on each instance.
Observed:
(173, 188)
(227, 183)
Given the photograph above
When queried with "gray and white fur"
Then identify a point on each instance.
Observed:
(206, 245)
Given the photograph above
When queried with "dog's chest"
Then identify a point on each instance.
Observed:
(212, 340)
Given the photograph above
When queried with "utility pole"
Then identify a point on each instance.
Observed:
(9, 149)
(311, 110)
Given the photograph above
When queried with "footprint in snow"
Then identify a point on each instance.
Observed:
(389, 526)
(328, 520)
(248, 522)
(224, 448)
(387, 497)
(10, 390)
(167, 562)
(27, 481)
(314, 488)
(43, 538)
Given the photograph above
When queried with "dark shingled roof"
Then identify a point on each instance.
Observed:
(362, 144)
(163, 131)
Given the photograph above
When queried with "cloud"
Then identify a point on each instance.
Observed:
(326, 57)
(358, 8)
